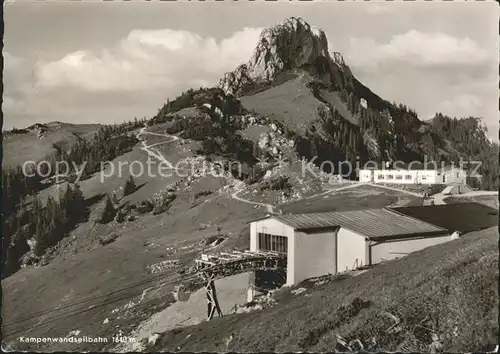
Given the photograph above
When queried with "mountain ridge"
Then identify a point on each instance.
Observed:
(290, 44)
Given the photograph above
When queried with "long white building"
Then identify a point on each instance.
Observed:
(402, 176)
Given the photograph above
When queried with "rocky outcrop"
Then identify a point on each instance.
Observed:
(274, 142)
(233, 81)
(372, 145)
(290, 44)
(338, 59)
(481, 131)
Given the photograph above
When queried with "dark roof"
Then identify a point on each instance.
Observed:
(463, 217)
(372, 223)
(425, 166)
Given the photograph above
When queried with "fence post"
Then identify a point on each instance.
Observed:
(251, 287)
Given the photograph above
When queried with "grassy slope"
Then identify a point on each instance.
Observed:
(19, 148)
(291, 103)
(334, 99)
(365, 197)
(450, 288)
(489, 200)
(83, 268)
(86, 235)
(116, 266)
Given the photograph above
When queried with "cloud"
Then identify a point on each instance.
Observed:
(131, 78)
(431, 72)
(11, 62)
(9, 103)
(18, 81)
(148, 59)
(418, 49)
(374, 8)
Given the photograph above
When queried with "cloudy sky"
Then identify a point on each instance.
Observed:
(111, 61)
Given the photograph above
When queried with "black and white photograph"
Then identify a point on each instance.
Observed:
(250, 176)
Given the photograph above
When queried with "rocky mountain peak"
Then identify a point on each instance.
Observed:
(290, 44)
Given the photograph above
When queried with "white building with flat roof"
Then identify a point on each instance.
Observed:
(328, 243)
(404, 176)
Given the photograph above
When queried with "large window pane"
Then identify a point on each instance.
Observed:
(273, 243)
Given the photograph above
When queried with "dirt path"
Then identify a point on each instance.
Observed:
(155, 153)
(476, 194)
(241, 188)
(440, 197)
(328, 191)
(239, 185)
(419, 195)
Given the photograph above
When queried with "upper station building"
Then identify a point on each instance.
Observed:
(450, 175)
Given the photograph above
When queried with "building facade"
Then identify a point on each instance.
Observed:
(329, 243)
(455, 176)
(402, 176)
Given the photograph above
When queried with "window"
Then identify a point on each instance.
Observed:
(273, 243)
(399, 177)
(408, 177)
(380, 176)
(390, 176)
